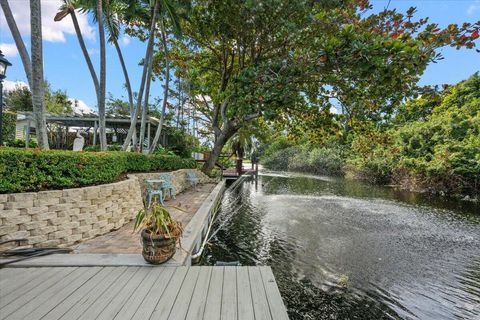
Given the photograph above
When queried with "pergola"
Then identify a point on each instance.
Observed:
(59, 127)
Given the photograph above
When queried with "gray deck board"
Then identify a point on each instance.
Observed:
(229, 294)
(213, 306)
(165, 304)
(96, 293)
(260, 302)
(156, 291)
(126, 293)
(199, 296)
(244, 295)
(131, 306)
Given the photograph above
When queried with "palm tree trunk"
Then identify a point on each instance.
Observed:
(125, 74)
(37, 73)
(145, 105)
(133, 123)
(165, 92)
(127, 83)
(22, 50)
(84, 51)
(101, 96)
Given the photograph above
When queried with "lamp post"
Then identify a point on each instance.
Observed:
(4, 63)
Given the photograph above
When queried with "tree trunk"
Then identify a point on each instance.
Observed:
(145, 104)
(101, 96)
(37, 73)
(127, 84)
(22, 50)
(220, 140)
(165, 93)
(133, 123)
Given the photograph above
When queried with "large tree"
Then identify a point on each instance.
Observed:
(99, 83)
(34, 66)
(266, 58)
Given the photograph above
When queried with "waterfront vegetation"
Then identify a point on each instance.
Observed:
(430, 143)
(32, 170)
(238, 74)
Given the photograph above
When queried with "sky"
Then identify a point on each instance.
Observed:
(65, 67)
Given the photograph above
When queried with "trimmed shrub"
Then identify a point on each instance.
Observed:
(33, 170)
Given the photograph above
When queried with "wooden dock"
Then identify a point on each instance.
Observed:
(140, 293)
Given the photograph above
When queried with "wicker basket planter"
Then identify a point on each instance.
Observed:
(157, 249)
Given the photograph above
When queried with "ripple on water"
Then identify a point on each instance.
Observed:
(342, 256)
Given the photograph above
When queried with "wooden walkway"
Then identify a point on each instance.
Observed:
(140, 293)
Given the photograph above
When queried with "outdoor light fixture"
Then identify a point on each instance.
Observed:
(4, 63)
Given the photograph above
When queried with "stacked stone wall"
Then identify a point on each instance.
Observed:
(64, 217)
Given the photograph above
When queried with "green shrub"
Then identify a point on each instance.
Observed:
(277, 145)
(280, 159)
(32, 170)
(9, 123)
(96, 148)
(373, 156)
(18, 143)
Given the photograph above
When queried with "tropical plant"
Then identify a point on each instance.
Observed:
(158, 221)
(68, 8)
(37, 73)
(34, 67)
(267, 58)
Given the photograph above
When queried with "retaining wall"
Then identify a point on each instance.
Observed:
(64, 217)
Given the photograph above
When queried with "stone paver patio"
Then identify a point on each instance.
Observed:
(124, 240)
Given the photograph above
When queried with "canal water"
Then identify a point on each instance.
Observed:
(341, 249)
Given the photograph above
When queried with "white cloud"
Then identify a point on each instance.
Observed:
(9, 85)
(52, 31)
(125, 40)
(473, 8)
(80, 106)
(9, 50)
(93, 51)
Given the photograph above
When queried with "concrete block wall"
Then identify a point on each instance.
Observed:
(64, 217)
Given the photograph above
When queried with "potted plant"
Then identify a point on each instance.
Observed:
(159, 233)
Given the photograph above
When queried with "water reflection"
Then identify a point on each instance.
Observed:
(341, 250)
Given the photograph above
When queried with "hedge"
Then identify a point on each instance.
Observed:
(32, 170)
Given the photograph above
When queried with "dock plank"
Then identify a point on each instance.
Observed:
(35, 293)
(148, 304)
(97, 307)
(136, 292)
(259, 298)
(120, 299)
(8, 280)
(199, 296)
(59, 310)
(244, 295)
(165, 304)
(12, 291)
(277, 308)
(130, 308)
(96, 293)
(229, 295)
(182, 302)
(213, 305)
(56, 296)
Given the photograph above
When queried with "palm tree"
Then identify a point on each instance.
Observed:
(103, 74)
(147, 62)
(33, 67)
(37, 73)
(22, 50)
(69, 9)
(114, 13)
(165, 92)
